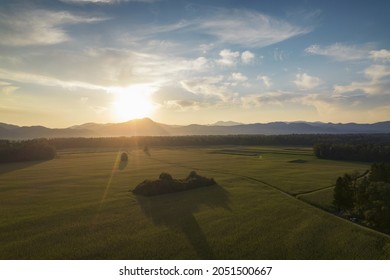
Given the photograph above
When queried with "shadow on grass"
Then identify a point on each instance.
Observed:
(12, 166)
(176, 211)
(122, 164)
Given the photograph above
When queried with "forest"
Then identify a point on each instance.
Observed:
(355, 152)
(366, 198)
(354, 147)
(28, 150)
(267, 140)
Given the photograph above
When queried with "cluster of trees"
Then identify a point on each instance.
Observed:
(166, 184)
(29, 150)
(207, 140)
(366, 198)
(355, 152)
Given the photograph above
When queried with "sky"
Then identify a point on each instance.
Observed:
(70, 62)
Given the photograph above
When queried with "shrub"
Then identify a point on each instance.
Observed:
(165, 177)
(124, 157)
(146, 151)
(166, 184)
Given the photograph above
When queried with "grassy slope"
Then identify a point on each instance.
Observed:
(77, 207)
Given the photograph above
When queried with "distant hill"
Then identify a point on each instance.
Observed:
(147, 127)
(226, 123)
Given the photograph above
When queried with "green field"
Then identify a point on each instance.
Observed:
(268, 205)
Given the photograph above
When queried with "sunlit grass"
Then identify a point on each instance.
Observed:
(79, 206)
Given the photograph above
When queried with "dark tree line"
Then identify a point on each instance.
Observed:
(274, 140)
(356, 152)
(366, 198)
(367, 147)
(29, 150)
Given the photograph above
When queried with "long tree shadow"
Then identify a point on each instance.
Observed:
(176, 211)
(12, 166)
(122, 164)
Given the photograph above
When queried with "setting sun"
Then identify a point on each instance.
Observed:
(132, 102)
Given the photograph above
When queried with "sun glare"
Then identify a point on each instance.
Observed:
(132, 102)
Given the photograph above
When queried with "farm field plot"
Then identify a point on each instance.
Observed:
(79, 206)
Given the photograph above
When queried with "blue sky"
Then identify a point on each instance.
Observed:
(180, 62)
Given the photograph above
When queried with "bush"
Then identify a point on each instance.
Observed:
(146, 151)
(124, 157)
(165, 177)
(166, 184)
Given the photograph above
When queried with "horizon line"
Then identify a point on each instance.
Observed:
(208, 124)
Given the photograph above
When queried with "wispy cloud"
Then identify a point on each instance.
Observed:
(38, 27)
(98, 109)
(377, 83)
(345, 52)
(105, 67)
(365, 87)
(355, 108)
(7, 88)
(238, 27)
(105, 1)
(325, 106)
(184, 105)
(377, 72)
(305, 81)
(23, 77)
(89, 1)
(380, 55)
(279, 55)
(249, 28)
(279, 98)
(209, 87)
(341, 52)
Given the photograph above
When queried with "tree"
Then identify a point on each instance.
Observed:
(377, 207)
(343, 193)
(165, 177)
(380, 172)
(124, 157)
(366, 197)
(146, 151)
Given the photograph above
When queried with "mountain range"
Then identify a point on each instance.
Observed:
(148, 127)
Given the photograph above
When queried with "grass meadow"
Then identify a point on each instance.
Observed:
(268, 204)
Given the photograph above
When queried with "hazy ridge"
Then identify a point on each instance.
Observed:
(147, 127)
